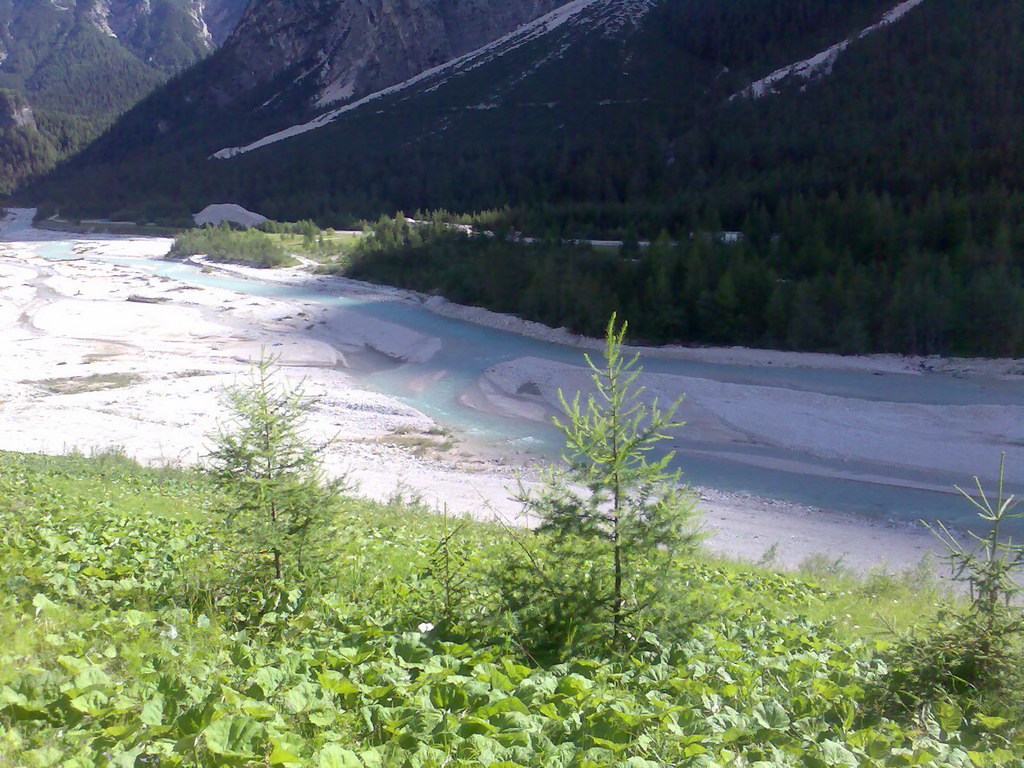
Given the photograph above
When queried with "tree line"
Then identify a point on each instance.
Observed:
(226, 244)
(852, 274)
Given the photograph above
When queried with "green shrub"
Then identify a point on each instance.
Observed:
(279, 500)
(630, 513)
(975, 652)
(225, 244)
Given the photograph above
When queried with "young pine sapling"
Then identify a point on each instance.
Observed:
(279, 500)
(610, 491)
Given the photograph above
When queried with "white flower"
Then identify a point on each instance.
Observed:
(425, 627)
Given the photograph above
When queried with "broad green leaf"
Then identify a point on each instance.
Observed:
(991, 722)
(835, 755)
(321, 719)
(92, 676)
(299, 699)
(335, 756)
(9, 696)
(770, 715)
(90, 702)
(337, 683)
(449, 696)
(153, 711)
(237, 736)
(44, 757)
(508, 704)
(474, 725)
(269, 679)
(43, 604)
(949, 715)
(287, 748)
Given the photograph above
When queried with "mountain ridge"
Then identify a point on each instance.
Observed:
(522, 34)
(341, 50)
(820, 65)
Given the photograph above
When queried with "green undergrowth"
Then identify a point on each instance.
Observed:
(273, 244)
(109, 227)
(224, 244)
(128, 642)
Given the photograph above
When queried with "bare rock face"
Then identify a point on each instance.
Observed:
(143, 23)
(220, 16)
(97, 13)
(349, 48)
(15, 111)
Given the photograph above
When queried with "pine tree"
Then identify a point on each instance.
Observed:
(279, 500)
(634, 509)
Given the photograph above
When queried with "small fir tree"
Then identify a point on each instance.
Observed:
(974, 652)
(278, 498)
(991, 568)
(635, 510)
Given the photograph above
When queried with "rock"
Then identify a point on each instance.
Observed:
(229, 212)
(15, 111)
(360, 46)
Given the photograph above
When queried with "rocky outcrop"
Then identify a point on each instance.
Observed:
(97, 13)
(15, 111)
(153, 28)
(345, 49)
(201, 24)
(220, 16)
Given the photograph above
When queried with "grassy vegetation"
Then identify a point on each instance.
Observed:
(328, 247)
(72, 385)
(431, 442)
(225, 244)
(305, 238)
(274, 244)
(129, 641)
(111, 228)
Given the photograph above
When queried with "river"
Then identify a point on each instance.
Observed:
(900, 491)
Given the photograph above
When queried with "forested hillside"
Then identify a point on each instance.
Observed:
(627, 128)
(76, 67)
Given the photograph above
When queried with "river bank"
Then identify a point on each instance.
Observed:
(1004, 368)
(102, 353)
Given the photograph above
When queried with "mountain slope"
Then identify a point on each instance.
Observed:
(821, 64)
(289, 61)
(77, 65)
(599, 103)
(341, 50)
